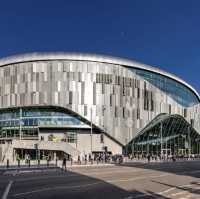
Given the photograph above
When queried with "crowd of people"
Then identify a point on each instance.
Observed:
(164, 157)
(90, 159)
(118, 159)
(98, 158)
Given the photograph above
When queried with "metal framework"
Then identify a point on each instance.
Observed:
(167, 134)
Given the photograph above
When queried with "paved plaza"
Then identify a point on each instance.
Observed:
(179, 180)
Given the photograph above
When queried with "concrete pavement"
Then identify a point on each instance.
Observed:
(179, 180)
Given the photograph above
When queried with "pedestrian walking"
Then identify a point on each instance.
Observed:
(148, 158)
(173, 158)
(79, 159)
(18, 160)
(48, 160)
(71, 160)
(29, 160)
(64, 164)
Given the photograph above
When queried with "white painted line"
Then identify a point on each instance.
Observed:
(5, 194)
(136, 178)
(166, 191)
(74, 175)
(57, 187)
(171, 189)
(87, 185)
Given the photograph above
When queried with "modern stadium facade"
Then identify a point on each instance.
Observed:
(79, 104)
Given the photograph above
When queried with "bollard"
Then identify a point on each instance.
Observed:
(56, 162)
(47, 163)
(7, 165)
(38, 162)
(29, 163)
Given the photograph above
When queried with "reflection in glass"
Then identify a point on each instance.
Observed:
(10, 120)
(180, 93)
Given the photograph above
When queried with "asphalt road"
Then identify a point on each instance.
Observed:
(178, 180)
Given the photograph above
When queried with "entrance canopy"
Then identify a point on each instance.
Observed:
(165, 127)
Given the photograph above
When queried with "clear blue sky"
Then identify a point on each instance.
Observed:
(161, 33)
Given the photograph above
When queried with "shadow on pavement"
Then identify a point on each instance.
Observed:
(190, 168)
(69, 184)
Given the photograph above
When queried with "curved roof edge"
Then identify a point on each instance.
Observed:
(41, 56)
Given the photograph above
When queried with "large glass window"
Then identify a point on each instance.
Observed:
(180, 93)
(37, 117)
(71, 137)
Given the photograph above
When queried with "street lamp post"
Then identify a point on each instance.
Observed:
(91, 132)
(133, 146)
(20, 123)
(189, 142)
(161, 141)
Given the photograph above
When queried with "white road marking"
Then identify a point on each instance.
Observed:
(5, 194)
(61, 176)
(109, 181)
(87, 185)
(137, 178)
(77, 175)
(166, 191)
(57, 187)
(171, 189)
(186, 193)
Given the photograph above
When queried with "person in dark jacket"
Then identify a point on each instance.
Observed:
(64, 164)
(148, 158)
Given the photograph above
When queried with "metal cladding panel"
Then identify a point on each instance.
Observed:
(122, 102)
(76, 57)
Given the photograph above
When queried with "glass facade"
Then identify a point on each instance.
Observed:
(173, 132)
(177, 91)
(123, 100)
(71, 137)
(30, 119)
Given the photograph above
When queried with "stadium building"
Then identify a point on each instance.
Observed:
(79, 104)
